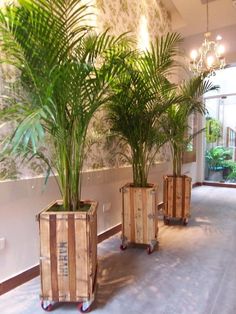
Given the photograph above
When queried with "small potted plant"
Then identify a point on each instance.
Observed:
(213, 130)
(135, 113)
(216, 157)
(229, 171)
(177, 187)
(64, 69)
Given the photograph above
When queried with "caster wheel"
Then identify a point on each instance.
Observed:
(82, 310)
(149, 249)
(166, 221)
(185, 221)
(123, 247)
(47, 308)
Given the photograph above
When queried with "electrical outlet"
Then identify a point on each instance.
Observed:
(2, 243)
(106, 207)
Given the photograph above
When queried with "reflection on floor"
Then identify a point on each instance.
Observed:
(193, 272)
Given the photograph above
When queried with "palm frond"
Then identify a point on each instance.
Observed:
(187, 100)
(139, 100)
(66, 71)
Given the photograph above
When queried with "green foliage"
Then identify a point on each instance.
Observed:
(213, 130)
(217, 156)
(65, 71)
(138, 103)
(176, 123)
(231, 165)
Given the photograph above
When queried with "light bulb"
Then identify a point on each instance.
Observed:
(218, 37)
(220, 50)
(194, 55)
(210, 61)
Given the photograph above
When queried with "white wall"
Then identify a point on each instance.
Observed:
(22, 200)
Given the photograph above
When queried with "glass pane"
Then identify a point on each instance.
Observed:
(220, 139)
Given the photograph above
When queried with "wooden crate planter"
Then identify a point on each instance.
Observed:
(139, 216)
(177, 197)
(68, 256)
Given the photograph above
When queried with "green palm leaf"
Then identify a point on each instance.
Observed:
(188, 101)
(138, 102)
(66, 71)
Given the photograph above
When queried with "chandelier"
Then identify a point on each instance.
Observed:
(210, 56)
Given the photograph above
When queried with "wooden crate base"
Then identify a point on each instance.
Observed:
(68, 254)
(139, 216)
(177, 197)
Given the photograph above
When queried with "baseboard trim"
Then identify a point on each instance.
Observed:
(33, 272)
(109, 233)
(196, 184)
(220, 184)
(18, 280)
(216, 184)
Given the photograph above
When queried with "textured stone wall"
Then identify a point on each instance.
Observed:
(145, 20)
(126, 15)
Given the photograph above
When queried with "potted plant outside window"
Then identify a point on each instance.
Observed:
(64, 69)
(177, 187)
(213, 130)
(216, 158)
(135, 112)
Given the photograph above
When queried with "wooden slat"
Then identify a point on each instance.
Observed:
(150, 215)
(45, 263)
(93, 230)
(138, 215)
(123, 220)
(89, 255)
(62, 257)
(145, 210)
(126, 213)
(184, 191)
(170, 196)
(154, 205)
(174, 196)
(165, 193)
(71, 257)
(132, 218)
(53, 257)
(81, 258)
(187, 195)
(178, 196)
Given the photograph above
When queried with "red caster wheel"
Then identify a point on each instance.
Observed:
(149, 249)
(82, 308)
(123, 247)
(185, 221)
(47, 308)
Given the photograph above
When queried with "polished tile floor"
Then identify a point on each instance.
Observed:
(193, 272)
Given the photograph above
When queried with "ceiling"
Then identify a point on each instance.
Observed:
(189, 16)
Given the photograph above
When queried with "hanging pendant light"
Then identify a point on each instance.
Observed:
(210, 56)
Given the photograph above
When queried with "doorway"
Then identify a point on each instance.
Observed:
(219, 151)
(220, 139)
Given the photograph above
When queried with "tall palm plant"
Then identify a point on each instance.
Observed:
(176, 124)
(65, 72)
(138, 103)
